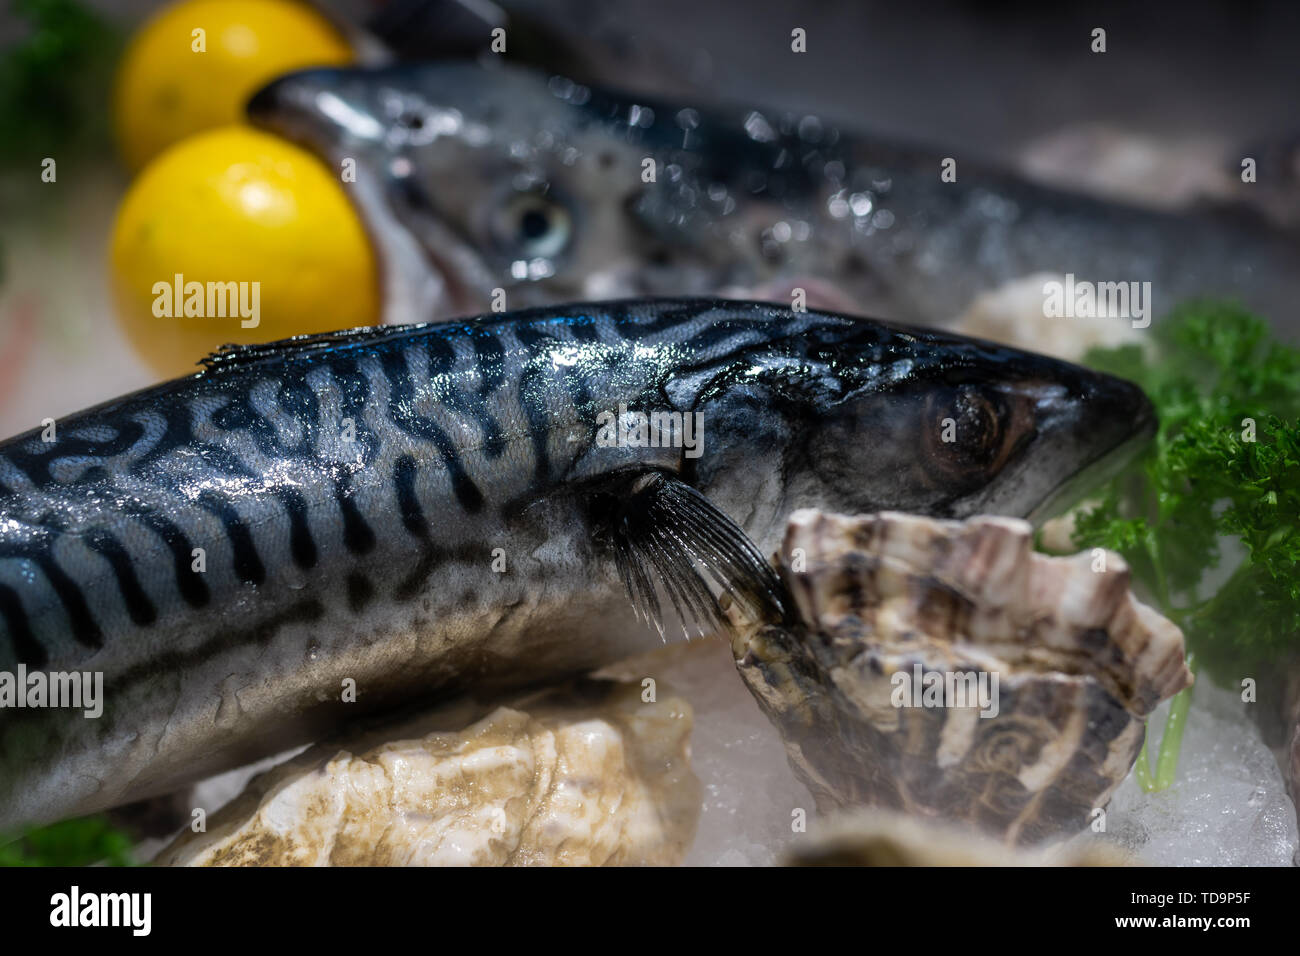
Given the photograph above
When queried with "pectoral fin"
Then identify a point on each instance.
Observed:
(665, 534)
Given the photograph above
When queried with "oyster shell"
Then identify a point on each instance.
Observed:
(875, 837)
(945, 669)
(586, 774)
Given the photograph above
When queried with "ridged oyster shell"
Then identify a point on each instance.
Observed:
(884, 601)
(584, 774)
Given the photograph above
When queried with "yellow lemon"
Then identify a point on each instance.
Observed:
(194, 65)
(237, 236)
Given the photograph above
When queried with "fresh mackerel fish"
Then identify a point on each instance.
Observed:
(475, 177)
(447, 507)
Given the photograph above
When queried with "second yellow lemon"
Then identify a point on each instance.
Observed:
(237, 236)
(194, 65)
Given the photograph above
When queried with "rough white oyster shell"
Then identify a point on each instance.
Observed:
(891, 603)
(585, 775)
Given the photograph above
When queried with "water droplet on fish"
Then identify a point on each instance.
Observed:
(560, 86)
(528, 179)
(567, 90)
(758, 128)
(313, 651)
(640, 116)
(532, 269)
(810, 129)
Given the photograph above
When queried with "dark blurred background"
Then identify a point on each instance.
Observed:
(981, 74)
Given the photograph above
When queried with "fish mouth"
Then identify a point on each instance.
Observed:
(1119, 421)
(418, 284)
(1089, 478)
(304, 107)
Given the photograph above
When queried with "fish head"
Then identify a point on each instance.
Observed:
(501, 179)
(858, 416)
(474, 178)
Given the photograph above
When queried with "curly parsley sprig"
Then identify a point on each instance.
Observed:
(1209, 517)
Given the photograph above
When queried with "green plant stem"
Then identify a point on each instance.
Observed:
(1171, 742)
(1158, 567)
(1142, 769)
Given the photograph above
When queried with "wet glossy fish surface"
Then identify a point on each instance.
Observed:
(475, 177)
(308, 531)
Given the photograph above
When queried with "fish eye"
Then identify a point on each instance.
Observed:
(531, 225)
(969, 432)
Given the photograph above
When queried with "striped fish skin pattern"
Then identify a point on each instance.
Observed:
(354, 495)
